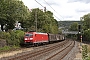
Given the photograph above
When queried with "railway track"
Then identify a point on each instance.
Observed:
(49, 53)
(62, 53)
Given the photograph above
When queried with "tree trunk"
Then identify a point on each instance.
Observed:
(2, 27)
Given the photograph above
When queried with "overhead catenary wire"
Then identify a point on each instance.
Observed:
(39, 3)
(53, 9)
(46, 9)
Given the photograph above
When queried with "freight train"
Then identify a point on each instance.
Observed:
(34, 38)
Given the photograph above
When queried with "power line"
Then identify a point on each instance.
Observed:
(46, 9)
(39, 3)
(54, 9)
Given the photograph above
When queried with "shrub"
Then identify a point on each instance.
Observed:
(20, 35)
(87, 34)
(84, 52)
(15, 38)
(4, 35)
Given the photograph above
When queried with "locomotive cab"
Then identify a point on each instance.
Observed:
(28, 38)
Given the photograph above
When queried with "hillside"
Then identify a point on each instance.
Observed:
(67, 23)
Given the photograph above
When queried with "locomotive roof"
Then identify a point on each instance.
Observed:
(37, 32)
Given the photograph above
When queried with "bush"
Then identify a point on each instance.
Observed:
(87, 35)
(20, 35)
(16, 38)
(84, 52)
(13, 38)
(4, 35)
(3, 42)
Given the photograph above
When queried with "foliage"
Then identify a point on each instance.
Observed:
(13, 38)
(67, 24)
(16, 38)
(74, 26)
(12, 11)
(87, 34)
(86, 26)
(84, 52)
(88, 58)
(86, 21)
(20, 35)
(60, 31)
(44, 20)
(7, 48)
(51, 23)
(4, 35)
(36, 17)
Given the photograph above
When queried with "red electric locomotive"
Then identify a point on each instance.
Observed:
(35, 37)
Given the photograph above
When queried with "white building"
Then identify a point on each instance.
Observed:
(17, 26)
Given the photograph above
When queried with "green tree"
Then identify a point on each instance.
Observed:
(74, 26)
(87, 34)
(44, 20)
(86, 21)
(12, 11)
(36, 19)
(51, 23)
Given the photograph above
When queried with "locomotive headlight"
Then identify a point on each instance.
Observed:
(25, 38)
(31, 38)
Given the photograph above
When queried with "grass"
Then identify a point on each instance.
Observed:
(5, 48)
(88, 50)
(8, 48)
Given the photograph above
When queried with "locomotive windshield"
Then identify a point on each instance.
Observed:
(28, 35)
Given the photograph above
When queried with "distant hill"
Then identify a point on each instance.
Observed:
(67, 23)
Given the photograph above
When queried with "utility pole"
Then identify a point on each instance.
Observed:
(36, 19)
(44, 9)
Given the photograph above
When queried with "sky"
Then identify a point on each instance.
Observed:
(63, 10)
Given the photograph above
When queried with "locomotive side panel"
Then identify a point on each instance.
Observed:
(40, 38)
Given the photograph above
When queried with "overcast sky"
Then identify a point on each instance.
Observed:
(70, 10)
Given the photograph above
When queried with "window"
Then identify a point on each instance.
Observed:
(29, 35)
